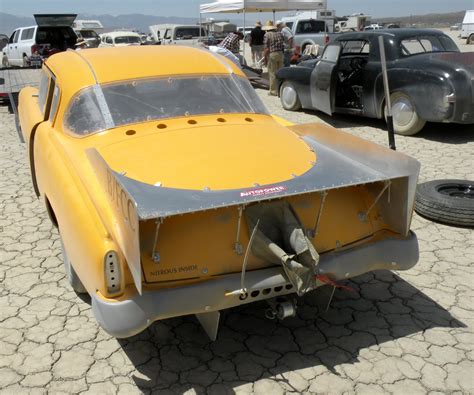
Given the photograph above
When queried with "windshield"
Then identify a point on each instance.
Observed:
(188, 32)
(136, 101)
(310, 26)
(127, 40)
(88, 34)
(427, 44)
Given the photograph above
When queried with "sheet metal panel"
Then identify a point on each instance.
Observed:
(342, 160)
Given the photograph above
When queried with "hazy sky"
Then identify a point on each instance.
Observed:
(189, 8)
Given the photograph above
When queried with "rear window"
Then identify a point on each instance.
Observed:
(127, 40)
(187, 32)
(427, 44)
(27, 34)
(99, 108)
(310, 26)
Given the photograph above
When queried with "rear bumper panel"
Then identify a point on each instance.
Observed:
(129, 317)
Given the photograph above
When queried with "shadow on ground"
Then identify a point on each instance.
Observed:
(449, 133)
(177, 354)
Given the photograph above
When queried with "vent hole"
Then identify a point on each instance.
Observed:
(113, 278)
(266, 291)
(161, 126)
(192, 122)
(289, 286)
(221, 120)
(254, 294)
(249, 119)
(113, 285)
(130, 132)
(278, 289)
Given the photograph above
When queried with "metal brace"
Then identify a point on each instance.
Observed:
(313, 232)
(387, 185)
(155, 256)
(242, 292)
(237, 246)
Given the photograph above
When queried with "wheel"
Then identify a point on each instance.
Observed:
(289, 97)
(71, 274)
(405, 118)
(447, 201)
(25, 61)
(470, 39)
(5, 62)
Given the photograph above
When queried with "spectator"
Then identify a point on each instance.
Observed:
(232, 42)
(274, 46)
(80, 44)
(288, 41)
(256, 43)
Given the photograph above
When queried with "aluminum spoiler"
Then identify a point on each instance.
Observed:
(342, 160)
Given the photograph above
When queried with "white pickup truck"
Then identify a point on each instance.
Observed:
(177, 34)
(308, 31)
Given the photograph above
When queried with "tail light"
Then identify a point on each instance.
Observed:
(35, 49)
(326, 39)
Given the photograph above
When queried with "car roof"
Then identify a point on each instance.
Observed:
(119, 33)
(76, 70)
(399, 33)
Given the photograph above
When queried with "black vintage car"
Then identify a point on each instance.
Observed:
(430, 80)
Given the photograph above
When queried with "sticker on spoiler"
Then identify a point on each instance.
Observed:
(263, 191)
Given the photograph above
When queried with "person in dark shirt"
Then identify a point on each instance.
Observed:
(256, 43)
(274, 44)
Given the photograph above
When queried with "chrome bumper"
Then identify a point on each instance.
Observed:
(129, 317)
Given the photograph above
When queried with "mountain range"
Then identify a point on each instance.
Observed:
(141, 22)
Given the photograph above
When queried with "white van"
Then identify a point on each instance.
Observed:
(177, 34)
(467, 30)
(30, 45)
(119, 39)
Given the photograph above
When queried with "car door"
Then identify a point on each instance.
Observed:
(324, 78)
(34, 108)
(12, 49)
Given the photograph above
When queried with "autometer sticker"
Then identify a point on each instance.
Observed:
(263, 191)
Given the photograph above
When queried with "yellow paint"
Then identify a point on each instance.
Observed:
(244, 150)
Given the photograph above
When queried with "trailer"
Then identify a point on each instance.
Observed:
(467, 29)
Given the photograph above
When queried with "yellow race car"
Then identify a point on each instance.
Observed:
(175, 192)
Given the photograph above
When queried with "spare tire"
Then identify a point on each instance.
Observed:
(446, 201)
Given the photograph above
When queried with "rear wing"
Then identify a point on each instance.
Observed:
(342, 160)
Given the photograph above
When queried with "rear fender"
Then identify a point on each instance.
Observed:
(427, 91)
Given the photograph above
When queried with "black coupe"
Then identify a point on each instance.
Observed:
(430, 79)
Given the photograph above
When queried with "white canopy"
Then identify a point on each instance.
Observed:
(234, 6)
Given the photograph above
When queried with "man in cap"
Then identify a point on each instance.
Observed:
(288, 40)
(256, 42)
(274, 46)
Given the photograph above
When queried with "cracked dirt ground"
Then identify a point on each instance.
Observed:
(408, 332)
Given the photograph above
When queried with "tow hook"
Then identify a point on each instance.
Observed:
(281, 308)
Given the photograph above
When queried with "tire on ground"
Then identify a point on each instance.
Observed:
(71, 274)
(415, 123)
(442, 201)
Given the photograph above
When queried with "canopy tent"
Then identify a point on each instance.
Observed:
(236, 6)
(244, 6)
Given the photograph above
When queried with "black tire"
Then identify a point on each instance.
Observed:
(71, 274)
(25, 61)
(470, 39)
(289, 96)
(446, 201)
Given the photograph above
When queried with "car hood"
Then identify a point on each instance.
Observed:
(216, 157)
